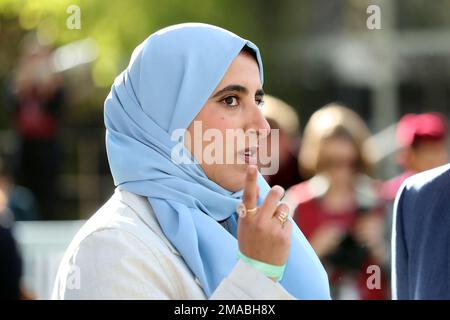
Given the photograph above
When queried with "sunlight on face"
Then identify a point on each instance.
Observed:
(234, 105)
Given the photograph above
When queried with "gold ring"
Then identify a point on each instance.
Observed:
(282, 220)
(242, 210)
(283, 214)
(283, 217)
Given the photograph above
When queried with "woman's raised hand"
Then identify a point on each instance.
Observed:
(264, 234)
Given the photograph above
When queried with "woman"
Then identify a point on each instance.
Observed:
(337, 209)
(171, 230)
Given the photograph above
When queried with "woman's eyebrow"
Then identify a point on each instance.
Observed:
(236, 88)
(231, 88)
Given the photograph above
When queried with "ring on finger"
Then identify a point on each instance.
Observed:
(242, 210)
(282, 220)
(283, 217)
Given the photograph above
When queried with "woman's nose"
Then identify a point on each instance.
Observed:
(258, 122)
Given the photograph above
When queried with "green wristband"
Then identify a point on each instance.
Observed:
(268, 270)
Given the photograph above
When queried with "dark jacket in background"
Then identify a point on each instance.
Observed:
(10, 266)
(421, 237)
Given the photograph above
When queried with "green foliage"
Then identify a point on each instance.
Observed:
(118, 26)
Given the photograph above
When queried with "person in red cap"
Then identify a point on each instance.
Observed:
(423, 142)
(423, 145)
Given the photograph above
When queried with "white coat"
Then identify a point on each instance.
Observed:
(122, 253)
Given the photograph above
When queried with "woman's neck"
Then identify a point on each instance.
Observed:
(339, 199)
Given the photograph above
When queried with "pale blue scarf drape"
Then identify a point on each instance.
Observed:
(169, 78)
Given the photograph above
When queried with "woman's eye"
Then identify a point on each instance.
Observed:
(260, 102)
(231, 101)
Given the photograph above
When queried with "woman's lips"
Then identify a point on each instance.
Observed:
(249, 155)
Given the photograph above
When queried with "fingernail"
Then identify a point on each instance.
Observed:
(251, 169)
(278, 189)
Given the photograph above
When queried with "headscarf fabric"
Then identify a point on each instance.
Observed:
(170, 76)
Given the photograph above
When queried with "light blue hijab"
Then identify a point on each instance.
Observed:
(168, 80)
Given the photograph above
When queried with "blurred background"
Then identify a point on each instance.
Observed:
(360, 108)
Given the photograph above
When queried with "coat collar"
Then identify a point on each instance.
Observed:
(141, 206)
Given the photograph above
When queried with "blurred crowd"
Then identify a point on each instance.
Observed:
(337, 200)
(28, 175)
(328, 168)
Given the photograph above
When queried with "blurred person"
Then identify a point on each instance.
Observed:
(423, 142)
(36, 101)
(10, 260)
(338, 208)
(283, 117)
(20, 200)
(189, 229)
(421, 237)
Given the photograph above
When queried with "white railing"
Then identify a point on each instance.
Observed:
(42, 245)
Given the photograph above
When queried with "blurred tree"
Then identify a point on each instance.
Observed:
(118, 26)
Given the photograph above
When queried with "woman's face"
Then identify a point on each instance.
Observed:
(234, 108)
(339, 160)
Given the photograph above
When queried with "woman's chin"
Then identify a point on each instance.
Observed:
(234, 180)
(229, 177)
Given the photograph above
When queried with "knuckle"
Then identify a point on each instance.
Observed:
(275, 232)
(284, 207)
(259, 226)
(247, 195)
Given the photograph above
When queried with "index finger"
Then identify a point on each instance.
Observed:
(250, 187)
